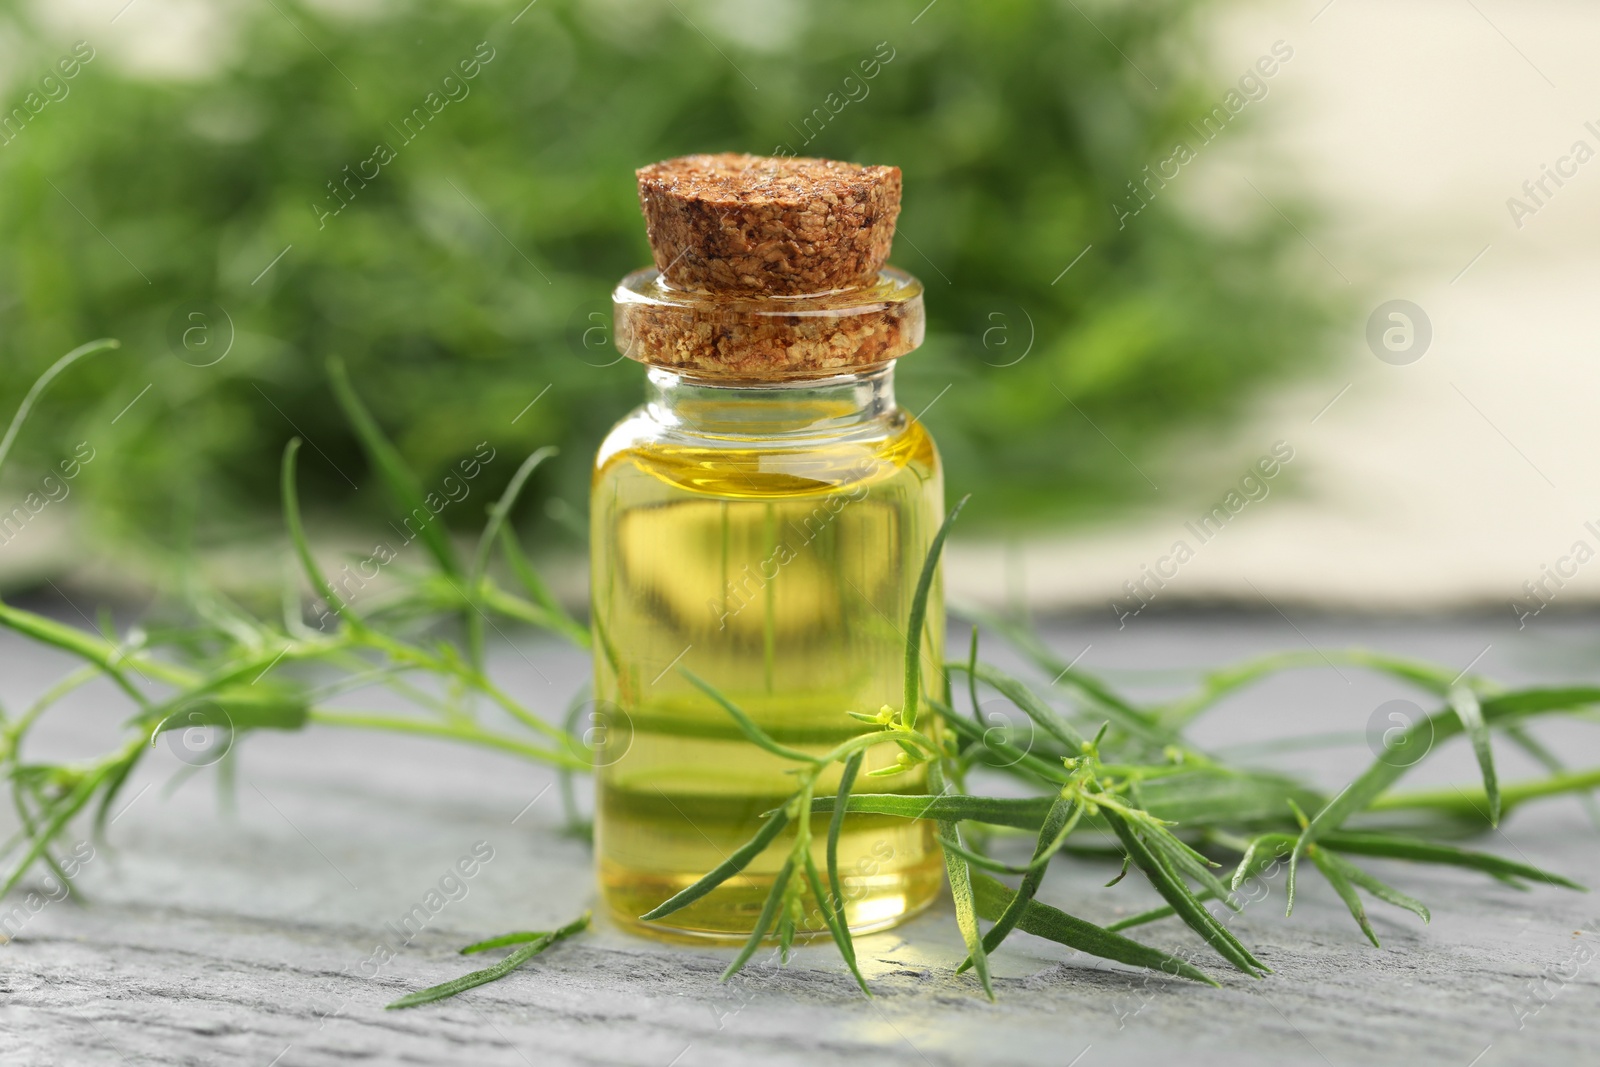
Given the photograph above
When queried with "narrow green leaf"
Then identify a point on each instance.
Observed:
(1184, 902)
(115, 780)
(1058, 824)
(489, 974)
(1000, 753)
(1347, 892)
(1042, 714)
(847, 781)
(528, 576)
(1254, 860)
(1212, 795)
(961, 878)
(1395, 847)
(972, 678)
(1053, 924)
(1467, 709)
(919, 615)
(982, 862)
(726, 869)
(266, 706)
(1024, 813)
(1382, 890)
(59, 814)
(518, 937)
(1361, 793)
(297, 535)
(836, 923)
(85, 646)
(399, 479)
(498, 513)
(41, 383)
(1552, 763)
(1190, 862)
(747, 725)
(1131, 719)
(769, 911)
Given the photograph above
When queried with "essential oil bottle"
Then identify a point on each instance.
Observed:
(761, 522)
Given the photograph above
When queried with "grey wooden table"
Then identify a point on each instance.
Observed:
(252, 937)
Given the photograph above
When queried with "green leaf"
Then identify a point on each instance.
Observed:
(1183, 901)
(41, 383)
(747, 725)
(1063, 816)
(1467, 709)
(1395, 847)
(836, 923)
(729, 867)
(1001, 753)
(297, 535)
(490, 974)
(847, 780)
(1212, 795)
(961, 879)
(398, 478)
(85, 646)
(518, 937)
(1551, 762)
(919, 615)
(263, 707)
(1053, 924)
(500, 511)
(1024, 813)
(1347, 893)
(1131, 719)
(528, 576)
(1042, 714)
(1382, 890)
(59, 814)
(1185, 859)
(769, 911)
(1359, 794)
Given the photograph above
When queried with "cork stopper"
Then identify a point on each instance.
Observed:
(768, 269)
(758, 224)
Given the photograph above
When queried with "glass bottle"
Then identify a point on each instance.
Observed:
(763, 528)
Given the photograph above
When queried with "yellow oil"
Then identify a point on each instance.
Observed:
(784, 577)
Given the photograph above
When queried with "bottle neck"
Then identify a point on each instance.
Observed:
(842, 405)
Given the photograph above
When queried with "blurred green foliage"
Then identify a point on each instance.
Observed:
(456, 284)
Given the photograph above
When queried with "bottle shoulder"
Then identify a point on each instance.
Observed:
(777, 466)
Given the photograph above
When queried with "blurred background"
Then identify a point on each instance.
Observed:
(1167, 247)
